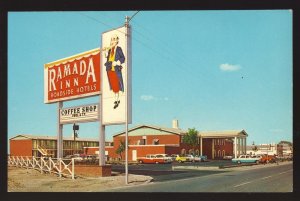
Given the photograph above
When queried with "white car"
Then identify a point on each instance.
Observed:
(192, 158)
(227, 157)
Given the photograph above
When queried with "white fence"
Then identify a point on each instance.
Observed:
(61, 167)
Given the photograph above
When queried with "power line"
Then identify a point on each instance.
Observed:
(111, 27)
(133, 16)
(149, 47)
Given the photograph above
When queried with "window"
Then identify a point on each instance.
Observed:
(183, 151)
(156, 141)
(142, 142)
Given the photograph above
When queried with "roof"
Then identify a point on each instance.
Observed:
(41, 137)
(176, 131)
(227, 133)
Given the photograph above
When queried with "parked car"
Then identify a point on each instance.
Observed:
(190, 158)
(245, 159)
(202, 158)
(227, 157)
(173, 156)
(166, 156)
(180, 159)
(267, 159)
(195, 158)
(154, 158)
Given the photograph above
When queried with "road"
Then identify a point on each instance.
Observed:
(277, 178)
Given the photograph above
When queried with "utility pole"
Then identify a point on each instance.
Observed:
(126, 104)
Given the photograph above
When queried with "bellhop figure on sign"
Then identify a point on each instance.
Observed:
(114, 63)
(116, 76)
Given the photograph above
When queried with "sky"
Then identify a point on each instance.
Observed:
(211, 70)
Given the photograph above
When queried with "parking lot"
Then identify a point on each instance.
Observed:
(164, 172)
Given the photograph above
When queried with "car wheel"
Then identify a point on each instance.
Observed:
(239, 162)
(257, 162)
(156, 162)
(140, 162)
(180, 161)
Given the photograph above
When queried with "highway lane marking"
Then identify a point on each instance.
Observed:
(266, 177)
(285, 172)
(260, 179)
(243, 184)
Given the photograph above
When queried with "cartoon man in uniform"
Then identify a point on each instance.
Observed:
(114, 63)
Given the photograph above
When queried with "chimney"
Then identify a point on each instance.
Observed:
(175, 124)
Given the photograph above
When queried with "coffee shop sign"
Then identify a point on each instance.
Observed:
(84, 113)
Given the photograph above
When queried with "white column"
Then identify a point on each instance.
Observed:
(235, 147)
(245, 143)
(201, 146)
(242, 146)
(213, 149)
(102, 145)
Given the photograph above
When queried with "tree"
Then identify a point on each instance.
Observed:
(191, 138)
(121, 148)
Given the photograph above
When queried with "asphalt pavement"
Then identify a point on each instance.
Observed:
(259, 178)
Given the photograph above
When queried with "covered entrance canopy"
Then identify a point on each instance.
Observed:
(239, 138)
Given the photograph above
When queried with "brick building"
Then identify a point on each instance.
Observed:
(148, 139)
(31, 145)
(142, 140)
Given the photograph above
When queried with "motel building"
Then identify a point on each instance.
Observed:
(38, 146)
(142, 140)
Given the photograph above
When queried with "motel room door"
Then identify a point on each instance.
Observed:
(134, 155)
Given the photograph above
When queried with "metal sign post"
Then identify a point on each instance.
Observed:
(60, 132)
(128, 64)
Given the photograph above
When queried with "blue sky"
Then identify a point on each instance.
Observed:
(211, 70)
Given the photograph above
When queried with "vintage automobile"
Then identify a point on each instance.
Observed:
(227, 157)
(195, 158)
(246, 159)
(166, 156)
(155, 158)
(173, 157)
(181, 159)
(202, 158)
(267, 159)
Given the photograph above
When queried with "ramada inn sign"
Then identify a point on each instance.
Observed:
(105, 72)
(73, 77)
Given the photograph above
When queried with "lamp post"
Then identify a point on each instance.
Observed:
(75, 130)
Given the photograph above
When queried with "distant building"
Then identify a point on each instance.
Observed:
(31, 145)
(286, 148)
(283, 148)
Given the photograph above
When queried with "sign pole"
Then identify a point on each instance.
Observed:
(126, 99)
(60, 132)
(101, 128)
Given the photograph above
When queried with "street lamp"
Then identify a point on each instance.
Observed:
(75, 130)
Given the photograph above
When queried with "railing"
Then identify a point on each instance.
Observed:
(44, 164)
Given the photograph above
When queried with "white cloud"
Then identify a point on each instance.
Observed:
(147, 97)
(229, 67)
(152, 98)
